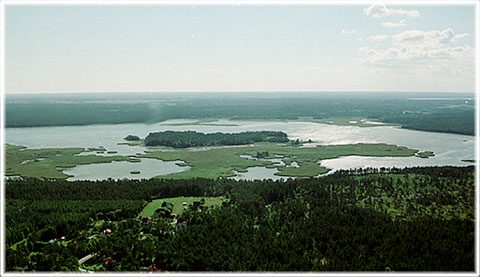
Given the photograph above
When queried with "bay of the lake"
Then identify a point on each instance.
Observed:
(449, 149)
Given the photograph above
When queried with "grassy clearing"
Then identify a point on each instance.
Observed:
(46, 163)
(177, 202)
(220, 162)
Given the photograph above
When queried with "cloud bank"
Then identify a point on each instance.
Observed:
(416, 47)
(380, 10)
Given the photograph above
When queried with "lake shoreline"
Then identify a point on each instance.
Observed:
(106, 144)
(206, 122)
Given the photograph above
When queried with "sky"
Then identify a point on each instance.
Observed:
(94, 48)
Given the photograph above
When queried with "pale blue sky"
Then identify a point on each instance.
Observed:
(239, 48)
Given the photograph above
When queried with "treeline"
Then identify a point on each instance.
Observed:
(71, 114)
(459, 121)
(34, 205)
(454, 116)
(193, 139)
(340, 222)
(438, 171)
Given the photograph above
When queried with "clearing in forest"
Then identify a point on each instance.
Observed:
(177, 203)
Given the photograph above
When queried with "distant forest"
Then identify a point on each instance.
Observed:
(416, 219)
(445, 114)
(194, 139)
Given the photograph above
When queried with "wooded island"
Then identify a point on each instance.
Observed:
(194, 139)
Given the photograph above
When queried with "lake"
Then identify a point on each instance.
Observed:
(449, 149)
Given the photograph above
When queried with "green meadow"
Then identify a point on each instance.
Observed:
(48, 162)
(221, 162)
(210, 163)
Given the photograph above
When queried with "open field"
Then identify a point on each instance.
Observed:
(177, 203)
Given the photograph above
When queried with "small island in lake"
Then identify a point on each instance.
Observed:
(425, 154)
(131, 138)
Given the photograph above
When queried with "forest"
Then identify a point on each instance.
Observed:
(194, 139)
(387, 219)
(450, 113)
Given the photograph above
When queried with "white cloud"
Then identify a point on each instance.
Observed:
(394, 56)
(379, 37)
(393, 24)
(460, 36)
(380, 10)
(416, 48)
(347, 32)
(431, 37)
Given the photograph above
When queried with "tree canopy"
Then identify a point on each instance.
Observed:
(416, 219)
(192, 138)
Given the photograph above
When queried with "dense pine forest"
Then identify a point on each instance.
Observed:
(194, 139)
(440, 112)
(416, 219)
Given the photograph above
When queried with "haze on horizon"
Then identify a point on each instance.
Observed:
(92, 48)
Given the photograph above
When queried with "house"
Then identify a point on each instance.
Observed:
(160, 267)
(185, 203)
(156, 268)
(181, 225)
(146, 220)
(109, 263)
(152, 269)
(107, 231)
(195, 205)
(166, 204)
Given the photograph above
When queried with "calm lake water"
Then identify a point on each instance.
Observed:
(449, 149)
(148, 168)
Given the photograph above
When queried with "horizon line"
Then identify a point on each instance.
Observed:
(239, 91)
